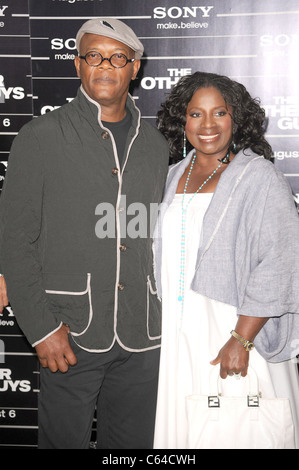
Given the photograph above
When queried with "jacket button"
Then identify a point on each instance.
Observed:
(115, 171)
(105, 135)
(121, 286)
(122, 247)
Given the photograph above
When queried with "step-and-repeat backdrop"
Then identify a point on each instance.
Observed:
(254, 42)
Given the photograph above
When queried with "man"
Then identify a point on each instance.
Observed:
(87, 302)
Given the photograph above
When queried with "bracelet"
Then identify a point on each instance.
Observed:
(248, 345)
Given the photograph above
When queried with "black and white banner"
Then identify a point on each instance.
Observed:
(253, 42)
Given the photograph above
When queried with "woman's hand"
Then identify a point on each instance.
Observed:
(233, 359)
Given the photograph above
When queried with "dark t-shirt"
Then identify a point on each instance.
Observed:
(120, 132)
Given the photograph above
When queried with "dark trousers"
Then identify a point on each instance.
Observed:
(121, 385)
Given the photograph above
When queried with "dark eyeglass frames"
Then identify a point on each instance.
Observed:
(94, 59)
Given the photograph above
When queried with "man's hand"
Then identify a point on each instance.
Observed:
(3, 294)
(55, 352)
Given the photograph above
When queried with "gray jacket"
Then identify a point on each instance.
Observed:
(249, 251)
(61, 167)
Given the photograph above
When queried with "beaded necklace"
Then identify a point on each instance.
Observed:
(181, 297)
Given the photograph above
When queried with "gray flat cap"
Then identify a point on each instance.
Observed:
(111, 28)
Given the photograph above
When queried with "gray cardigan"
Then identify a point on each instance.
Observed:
(62, 166)
(249, 251)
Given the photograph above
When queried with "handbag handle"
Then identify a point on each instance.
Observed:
(252, 384)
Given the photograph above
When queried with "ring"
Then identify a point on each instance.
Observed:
(237, 376)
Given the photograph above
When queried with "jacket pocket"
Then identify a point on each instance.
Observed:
(69, 298)
(153, 307)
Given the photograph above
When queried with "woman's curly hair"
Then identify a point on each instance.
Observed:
(248, 116)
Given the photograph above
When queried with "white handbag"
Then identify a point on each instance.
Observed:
(248, 422)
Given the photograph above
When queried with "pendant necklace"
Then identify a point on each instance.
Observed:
(185, 205)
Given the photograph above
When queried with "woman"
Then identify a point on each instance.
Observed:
(226, 248)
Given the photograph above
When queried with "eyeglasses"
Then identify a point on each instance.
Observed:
(94, 59)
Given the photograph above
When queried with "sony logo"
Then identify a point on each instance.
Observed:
(2, 10)
(182, 12)
(59, 43)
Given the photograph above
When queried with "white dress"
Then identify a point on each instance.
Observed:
(190, 341)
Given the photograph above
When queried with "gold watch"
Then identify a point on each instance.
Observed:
(248, 345)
